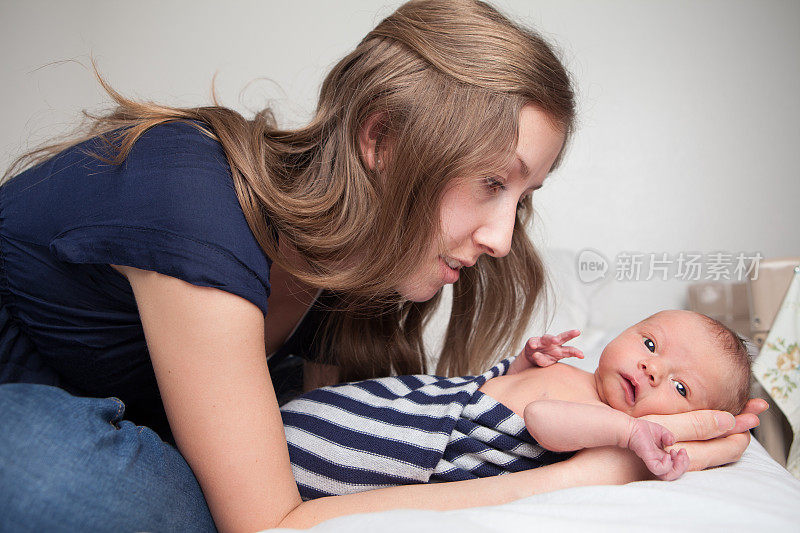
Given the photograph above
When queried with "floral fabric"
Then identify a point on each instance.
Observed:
(778, 366)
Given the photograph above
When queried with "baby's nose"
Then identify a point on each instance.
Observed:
(650, 370)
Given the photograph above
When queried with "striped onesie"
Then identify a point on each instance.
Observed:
(401, 430)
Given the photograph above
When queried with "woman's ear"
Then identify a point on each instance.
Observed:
(370, 140)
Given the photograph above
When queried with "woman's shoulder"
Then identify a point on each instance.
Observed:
(170, 207)
(179, 150)
(179, 138)
(168, 157)
(175, 179)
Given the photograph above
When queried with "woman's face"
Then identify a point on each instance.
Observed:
(477, 213)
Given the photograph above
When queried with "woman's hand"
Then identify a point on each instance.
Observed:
(712, 438)
(544, 351)
(708, 440)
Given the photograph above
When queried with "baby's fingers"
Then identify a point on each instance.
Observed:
(679, 460)
(571, 351)
(567, 336)
(548, 340)
(533, 344)
(661, 466)
(667, 438)
(561, 338)
(715, 452)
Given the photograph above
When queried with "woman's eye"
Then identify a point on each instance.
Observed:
(522, 200)
(680, 388)
(494, 184)
(650, 344)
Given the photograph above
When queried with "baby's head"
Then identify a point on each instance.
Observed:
(673, 362)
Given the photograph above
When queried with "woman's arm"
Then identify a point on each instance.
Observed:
(472, 493)
(209, 356)
(208, 352)
(608, 465)
(207, 348)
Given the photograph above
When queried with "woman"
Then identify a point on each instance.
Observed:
(163, 257)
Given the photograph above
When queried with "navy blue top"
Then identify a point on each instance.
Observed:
(169, 207)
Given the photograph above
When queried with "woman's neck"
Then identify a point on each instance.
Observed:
(289, 300)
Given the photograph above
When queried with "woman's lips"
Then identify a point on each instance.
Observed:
(449, 275)
(629, 386)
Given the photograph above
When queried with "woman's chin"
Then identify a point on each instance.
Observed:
(418, 293)
(419, 298)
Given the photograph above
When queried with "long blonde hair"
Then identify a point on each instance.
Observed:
(448, 79)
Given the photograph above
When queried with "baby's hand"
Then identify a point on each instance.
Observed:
(547, 349)
(647, 440)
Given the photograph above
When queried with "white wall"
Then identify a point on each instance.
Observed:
(688, 137)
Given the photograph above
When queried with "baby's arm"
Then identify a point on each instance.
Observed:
(566, 426)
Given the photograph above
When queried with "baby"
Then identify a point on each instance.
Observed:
(411, 429)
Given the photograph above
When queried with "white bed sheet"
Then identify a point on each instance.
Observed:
(753, 495)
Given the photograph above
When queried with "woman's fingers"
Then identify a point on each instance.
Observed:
(696, 425)
(744, 422)
(755, 406)
(748, 419)
(715, 452)
(711, 438)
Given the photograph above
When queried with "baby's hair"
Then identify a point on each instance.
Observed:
(735, 347)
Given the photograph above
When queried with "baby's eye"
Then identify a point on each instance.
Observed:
(650, 344)
(680, 388)
(494, 184)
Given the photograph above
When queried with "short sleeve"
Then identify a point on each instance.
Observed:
(170, 207)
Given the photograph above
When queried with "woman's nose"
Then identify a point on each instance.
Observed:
(652, 370)
(495, 234)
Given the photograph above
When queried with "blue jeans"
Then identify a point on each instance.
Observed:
(72, 464)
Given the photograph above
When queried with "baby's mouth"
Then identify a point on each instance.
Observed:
(630, 386)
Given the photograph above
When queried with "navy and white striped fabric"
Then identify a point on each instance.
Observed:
(402, 430)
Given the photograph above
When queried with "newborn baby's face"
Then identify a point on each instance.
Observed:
(668, 363)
